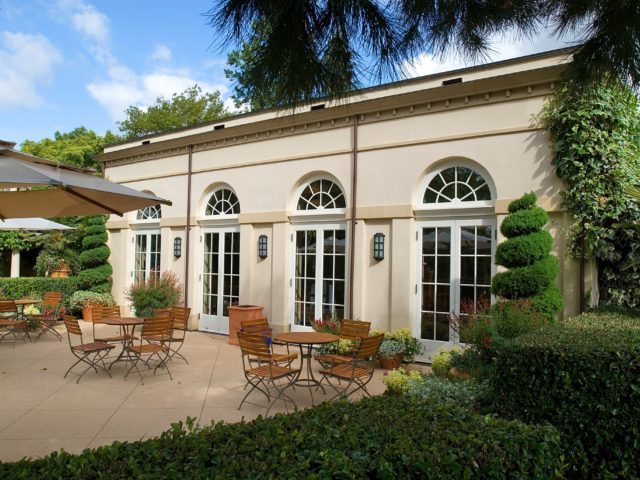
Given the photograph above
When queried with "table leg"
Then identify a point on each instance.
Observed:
(310, 380)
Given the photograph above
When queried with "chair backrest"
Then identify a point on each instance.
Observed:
(254, 345)
(181, 317)
(100, 312)
(354, 329)
(258, 326)
(110, 312)
(7, 306)
(73, 328)
(369, 347)
(52, 299)
(160, 326)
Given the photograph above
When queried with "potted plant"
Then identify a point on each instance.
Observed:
(157, 292)
(412, 346)
(55, 259)
(83, 300)
(390, 353)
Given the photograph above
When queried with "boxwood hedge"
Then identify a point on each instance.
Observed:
(582, 376)
(37, 286)
(382, 437)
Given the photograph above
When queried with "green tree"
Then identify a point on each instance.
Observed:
(596, 146)
(532, 270)
(309, 44)
(96, 275)
(245, 93)
(77, 147)
(191, 107)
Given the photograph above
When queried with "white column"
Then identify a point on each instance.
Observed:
(15, 263)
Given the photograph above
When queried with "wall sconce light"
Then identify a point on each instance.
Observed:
(177, 247)
(378, 246)
(262, 246)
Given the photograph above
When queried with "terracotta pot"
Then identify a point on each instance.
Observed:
(238, 313)
(62, 271)
(86, 313)
(460, 374)
(390, 363)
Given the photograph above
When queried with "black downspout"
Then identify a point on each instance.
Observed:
(188, 230)
(352, 229)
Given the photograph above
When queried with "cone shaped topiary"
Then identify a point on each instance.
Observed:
(96, 273)
(527, 255)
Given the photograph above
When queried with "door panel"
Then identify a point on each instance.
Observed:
(455, 270)
(319, 275)
(146, 256)
(220, 278)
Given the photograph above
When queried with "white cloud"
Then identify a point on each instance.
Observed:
(142, 90)
(507, 45)
(27, 63)
(161, 54)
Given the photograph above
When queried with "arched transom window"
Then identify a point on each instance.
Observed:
(457, 185)
(150, 213)
(223, 202)
(321, 194)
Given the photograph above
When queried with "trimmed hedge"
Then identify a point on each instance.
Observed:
(96, 273)
(524, 222)
(37, 286)
(521, 251)
(582, 376)
(526, 201)
(523, 282)
(381, 437)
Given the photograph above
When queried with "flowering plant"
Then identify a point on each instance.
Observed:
(412, 345)
(390, 348)
(326, 326)
(399, 380)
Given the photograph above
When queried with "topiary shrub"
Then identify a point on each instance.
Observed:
(583, 377)
(527, 254)
(96, 273)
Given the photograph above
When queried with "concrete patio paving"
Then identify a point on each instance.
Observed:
(41, 412)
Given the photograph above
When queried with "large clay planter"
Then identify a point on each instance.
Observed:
(238, 313)
(390, 363)
(62, 271)
(86, 313)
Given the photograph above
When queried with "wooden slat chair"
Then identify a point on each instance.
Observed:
(260, 326)
(9, 323)
(353, 330)
(180, 317)
(268, 374)
(156, 326)
(93, 353)
(357, 372)
(51, 305)
(98, 313)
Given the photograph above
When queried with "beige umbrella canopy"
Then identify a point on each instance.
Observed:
(68, 191)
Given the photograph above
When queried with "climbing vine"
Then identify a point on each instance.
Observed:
(596, 145)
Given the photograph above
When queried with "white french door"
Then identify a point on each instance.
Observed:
(319, 275)
(220, 277)
(146, 256)
(456, 265)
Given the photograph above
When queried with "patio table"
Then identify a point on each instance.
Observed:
(127, 327)
(309, 339)
(23, 302)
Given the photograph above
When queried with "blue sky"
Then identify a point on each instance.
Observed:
(71, 63)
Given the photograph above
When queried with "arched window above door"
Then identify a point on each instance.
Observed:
(222, 202)
(457, 186)
(321, 194)
(153, 212)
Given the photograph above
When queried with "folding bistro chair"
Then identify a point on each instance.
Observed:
(354, 330)
(51, 304)
(98, 314)
(357, 372)
(9, 323)
(93, 354)
(260, 326)
(157, 326)
(268, 374)
(180, 316)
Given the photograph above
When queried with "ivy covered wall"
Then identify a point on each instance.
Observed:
(596, 144)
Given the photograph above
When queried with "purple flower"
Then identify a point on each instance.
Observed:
(386, 372)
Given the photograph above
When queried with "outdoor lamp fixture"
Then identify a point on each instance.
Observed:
(262, 246)
(378, 246)
(177, 247)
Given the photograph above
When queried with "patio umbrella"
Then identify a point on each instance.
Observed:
(35, 224)
(68, 191)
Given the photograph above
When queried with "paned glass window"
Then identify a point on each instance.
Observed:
(223, 202)
(150, 213)
(457, 184)
(321, 194)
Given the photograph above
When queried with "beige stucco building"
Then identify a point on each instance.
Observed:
(429, 163)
